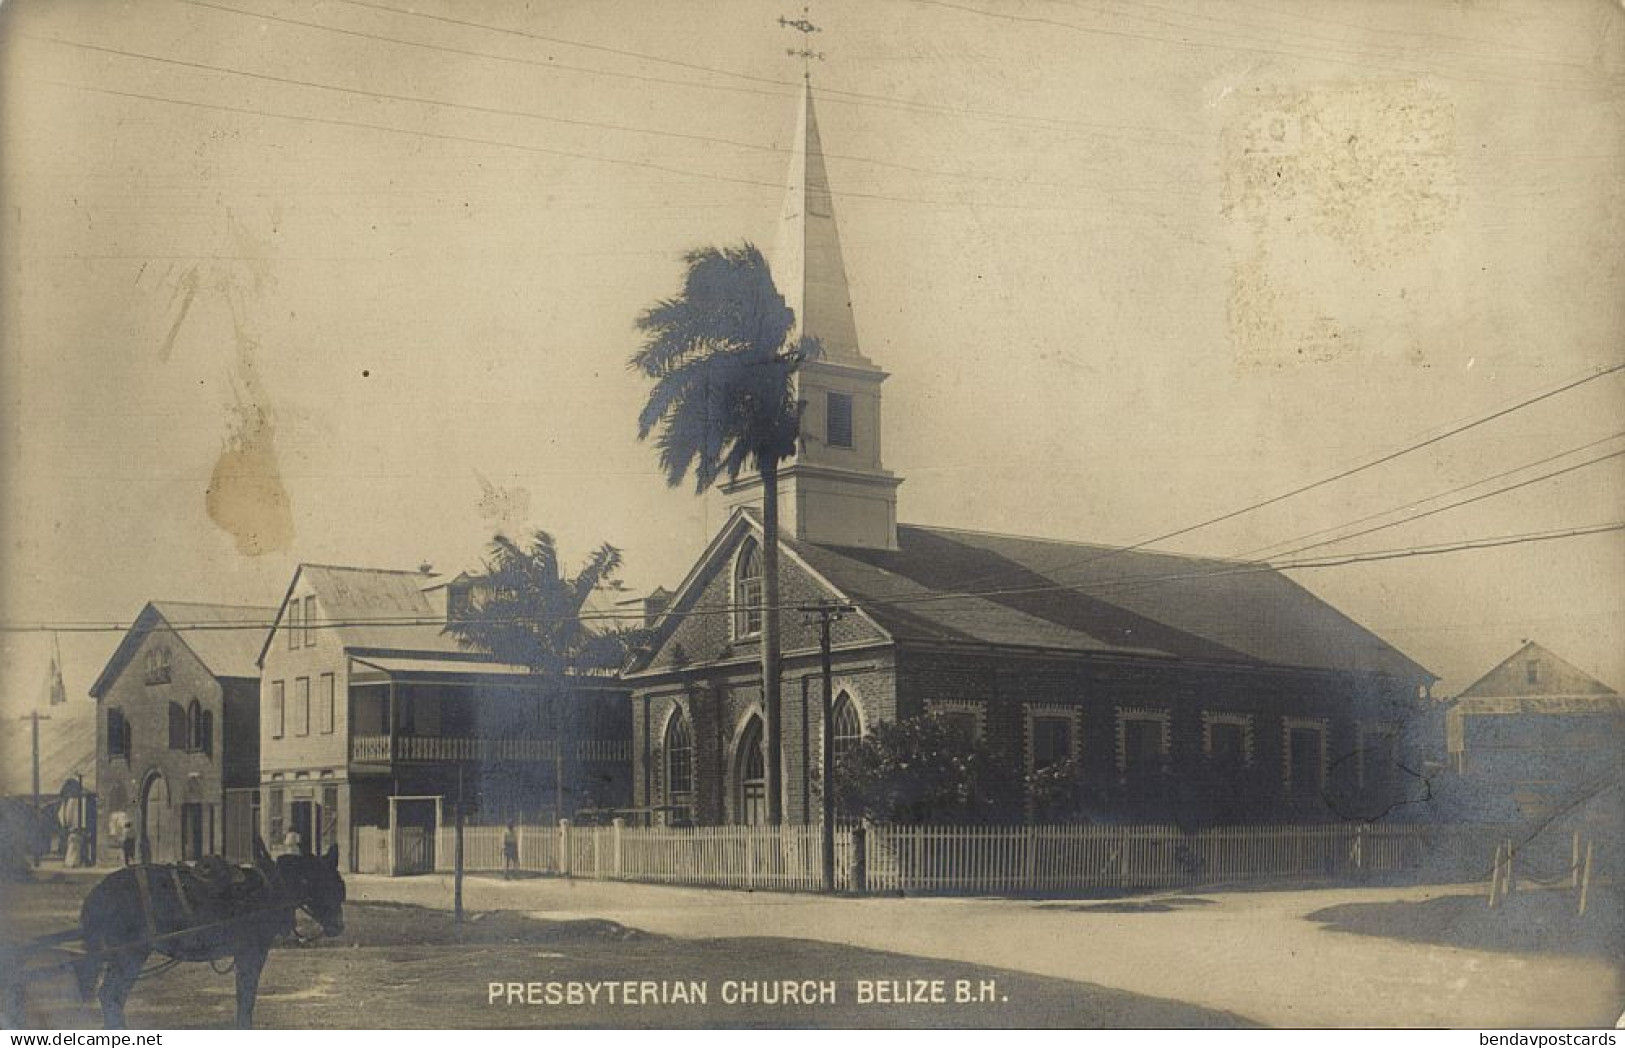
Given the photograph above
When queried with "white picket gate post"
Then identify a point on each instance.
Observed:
(615, 848)
(564, 847)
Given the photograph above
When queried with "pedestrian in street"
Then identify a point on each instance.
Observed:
(293, 843)
(510, 853)
(127, 842)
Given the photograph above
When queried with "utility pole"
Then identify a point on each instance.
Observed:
(457, 853)
(34, 718)
(823, 615)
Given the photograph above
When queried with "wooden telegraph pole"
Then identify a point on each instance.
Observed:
(823, 615)
(34, 718)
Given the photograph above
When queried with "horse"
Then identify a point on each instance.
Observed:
(204, 913)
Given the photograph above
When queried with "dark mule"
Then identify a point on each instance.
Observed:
(203, 913)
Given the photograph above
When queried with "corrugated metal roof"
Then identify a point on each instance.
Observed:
(1089, 598)
(228, 652)
(353, 596)
(229, 649)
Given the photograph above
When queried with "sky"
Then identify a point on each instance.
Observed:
(355, 282)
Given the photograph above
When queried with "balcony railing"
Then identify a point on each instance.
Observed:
(604, 750)
(384, 749)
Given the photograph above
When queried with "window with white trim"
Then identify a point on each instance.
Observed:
(846, 729)
(1227, 739)
(1142, 741)
(967, 717)
(1053, 734)
(678, 751)
(747, 595)
(1305, 755)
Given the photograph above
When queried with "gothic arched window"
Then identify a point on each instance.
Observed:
(747, 597)
(679, 752)
(751, 773)
(846, 731)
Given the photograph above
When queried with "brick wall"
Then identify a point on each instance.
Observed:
(706, 638)
(718, 706)
(1005, 685)
(169, 777)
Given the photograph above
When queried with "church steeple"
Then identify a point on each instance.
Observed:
(834, 490)
(807, 263)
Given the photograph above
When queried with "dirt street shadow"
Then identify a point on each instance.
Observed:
(1526, 922)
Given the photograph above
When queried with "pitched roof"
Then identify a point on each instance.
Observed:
(1088, 598)
(950, 586)
(227, 643)
(1554, 677)
(374, 608)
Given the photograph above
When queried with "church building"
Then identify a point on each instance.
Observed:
(1158, 674)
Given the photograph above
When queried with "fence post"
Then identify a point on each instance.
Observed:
(1495, 877)
(615, 849)
(750, 857)
(1029, 874)
(1511, 880)
(564, 847)
(860, 858)
(1574, 861)
(1585, 878)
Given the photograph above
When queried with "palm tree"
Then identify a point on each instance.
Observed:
(723, 359)
(523, 609)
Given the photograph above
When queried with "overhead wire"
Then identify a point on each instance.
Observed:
(1454, 429)
(596, 125)
(1226, 569)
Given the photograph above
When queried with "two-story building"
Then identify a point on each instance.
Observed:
(373, 716)
(177, 738)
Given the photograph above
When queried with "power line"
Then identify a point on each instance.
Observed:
(1359, 61)
(573, 122)
(1455, 505)
(545, 151)
(1271, 567)
(851, 98)
(1418, 502)
(1454, 430)
(699, 611)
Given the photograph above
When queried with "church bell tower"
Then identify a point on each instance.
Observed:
(834, 491)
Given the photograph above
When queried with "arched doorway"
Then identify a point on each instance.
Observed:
(750, 772)
(158, 841)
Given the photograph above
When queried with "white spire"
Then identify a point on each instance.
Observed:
(807, 263)
(835, 489)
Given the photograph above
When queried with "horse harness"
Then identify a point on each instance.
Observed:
(147, 877)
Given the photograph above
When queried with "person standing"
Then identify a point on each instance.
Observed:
(510, 853)
(127, 842)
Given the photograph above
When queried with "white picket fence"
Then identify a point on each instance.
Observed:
(967, 859)
(1044, 859)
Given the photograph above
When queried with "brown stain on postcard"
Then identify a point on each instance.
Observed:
(246, 497)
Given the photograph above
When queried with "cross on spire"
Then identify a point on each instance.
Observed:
(805, 27)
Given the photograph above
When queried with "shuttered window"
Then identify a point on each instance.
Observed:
(839, 428)
(324, 703)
